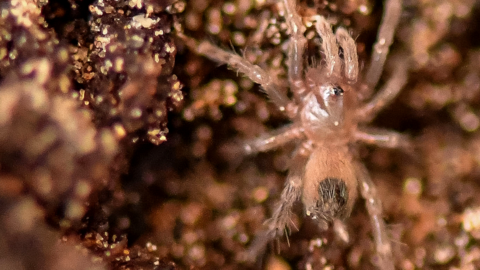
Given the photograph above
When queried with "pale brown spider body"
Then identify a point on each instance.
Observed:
(329, 184)
(329, 119)
(332, 197)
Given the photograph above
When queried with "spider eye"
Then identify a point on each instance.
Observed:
(337, 91)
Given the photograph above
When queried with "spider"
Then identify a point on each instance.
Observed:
(329, 118)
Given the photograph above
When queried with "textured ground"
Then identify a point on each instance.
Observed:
(119, 146)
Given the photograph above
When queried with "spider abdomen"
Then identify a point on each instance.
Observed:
(329, 184)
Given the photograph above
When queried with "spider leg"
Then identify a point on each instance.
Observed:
(341, 231)
(374, 207)
(290, 194)
(296, 49)
(329, 46)
(391, 17)
(349, 54)
(239, 64)
(382, 138)
(276, 225)
(388, 92)
(273, 139)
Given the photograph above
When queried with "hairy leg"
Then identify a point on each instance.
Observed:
(277, 224)
(329, 46)
(389, 91)
(350, 56)
(239, 64)
(296, 49)
(374, 207)
(391, 17)
(274, 139)
(382, 138)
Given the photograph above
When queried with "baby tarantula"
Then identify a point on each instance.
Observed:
(327, 121)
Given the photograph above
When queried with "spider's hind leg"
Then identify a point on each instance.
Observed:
(369, 192)
(278, 223)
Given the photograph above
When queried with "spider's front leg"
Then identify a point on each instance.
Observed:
(391, 17)
(239, 64)
(389, 91)
(296, 49)
(375, 211)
